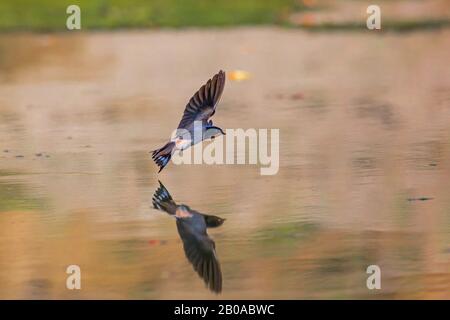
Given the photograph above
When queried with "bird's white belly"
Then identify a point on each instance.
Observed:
(182, 144)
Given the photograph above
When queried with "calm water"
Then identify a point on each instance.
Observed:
(364, 129)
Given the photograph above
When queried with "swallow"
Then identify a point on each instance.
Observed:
(200, 108)
(199, 248)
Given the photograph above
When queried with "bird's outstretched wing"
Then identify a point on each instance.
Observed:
(203, 103)
(201, 253)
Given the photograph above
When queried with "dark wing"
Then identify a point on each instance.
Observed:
(203, 103)
(201, 253)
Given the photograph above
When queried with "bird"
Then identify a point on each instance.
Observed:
(199, 248)
(201, 107)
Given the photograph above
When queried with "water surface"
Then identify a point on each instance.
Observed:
(364, 134)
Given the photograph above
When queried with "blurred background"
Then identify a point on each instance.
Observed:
(45, 15)
(364, 147)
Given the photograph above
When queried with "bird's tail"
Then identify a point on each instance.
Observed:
(162, 156)
(162, 200)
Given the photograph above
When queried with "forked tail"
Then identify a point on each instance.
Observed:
(163, 201)
(162, 156)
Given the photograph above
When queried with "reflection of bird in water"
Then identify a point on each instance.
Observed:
(201, 107)
(198, 246)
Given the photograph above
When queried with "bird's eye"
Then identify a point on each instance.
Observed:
(180, 137)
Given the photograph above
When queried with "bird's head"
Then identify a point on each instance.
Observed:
(213, 132)
(213, 221)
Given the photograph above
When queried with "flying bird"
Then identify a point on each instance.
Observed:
(199, 109)
(198, 247)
